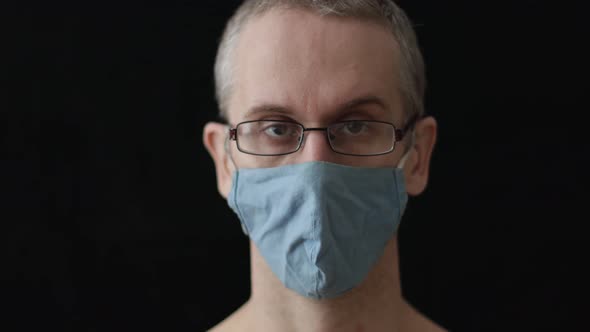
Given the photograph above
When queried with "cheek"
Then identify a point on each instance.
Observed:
(244, 160)
(386, 160)
(389, 160)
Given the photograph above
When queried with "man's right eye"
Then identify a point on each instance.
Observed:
(280, 130)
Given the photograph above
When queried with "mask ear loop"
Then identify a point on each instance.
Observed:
(231, 158)
(403, 159)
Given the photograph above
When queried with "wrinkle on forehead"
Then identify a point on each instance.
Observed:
(310, 62)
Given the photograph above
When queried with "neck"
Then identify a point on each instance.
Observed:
(374, 305)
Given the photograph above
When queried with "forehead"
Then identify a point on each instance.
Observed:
(311, 65)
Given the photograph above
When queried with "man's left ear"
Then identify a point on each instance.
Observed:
(417, 166)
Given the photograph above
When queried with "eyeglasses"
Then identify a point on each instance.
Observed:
(354, 137)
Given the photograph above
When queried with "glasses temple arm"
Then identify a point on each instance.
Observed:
(400, 133)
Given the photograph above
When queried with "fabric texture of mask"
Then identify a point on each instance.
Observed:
(320, 226)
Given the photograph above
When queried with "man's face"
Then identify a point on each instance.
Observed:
(296, 65)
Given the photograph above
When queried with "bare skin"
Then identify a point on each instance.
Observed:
(310, 66)
(375, 305)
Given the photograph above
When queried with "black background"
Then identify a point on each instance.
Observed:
(110, 216)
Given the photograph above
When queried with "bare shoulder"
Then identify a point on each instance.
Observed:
(237, 321)
(417, 321)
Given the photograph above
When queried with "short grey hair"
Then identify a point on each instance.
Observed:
(386, 12)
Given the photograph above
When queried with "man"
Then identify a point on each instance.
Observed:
(325, 139)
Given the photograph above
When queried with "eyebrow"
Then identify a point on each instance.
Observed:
(362, 101)
(347, 106)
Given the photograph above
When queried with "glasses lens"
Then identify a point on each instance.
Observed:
(268, 137)
(362, 138)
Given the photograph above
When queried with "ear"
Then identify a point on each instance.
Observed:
(417, 167)
(214, 139)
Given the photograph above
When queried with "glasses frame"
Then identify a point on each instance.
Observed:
(399, 135)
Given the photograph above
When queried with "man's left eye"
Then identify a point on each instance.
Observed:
(355, 127)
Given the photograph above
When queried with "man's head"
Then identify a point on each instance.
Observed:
(316, 63)
(386, 13)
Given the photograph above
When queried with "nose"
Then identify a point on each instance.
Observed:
(315, 147)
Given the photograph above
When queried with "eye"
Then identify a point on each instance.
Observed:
(277, 129)
(351, 128)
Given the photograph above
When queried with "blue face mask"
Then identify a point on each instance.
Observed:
(320, 226)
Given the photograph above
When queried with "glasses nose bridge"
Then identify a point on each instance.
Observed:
(324, 129)
(315, 129)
